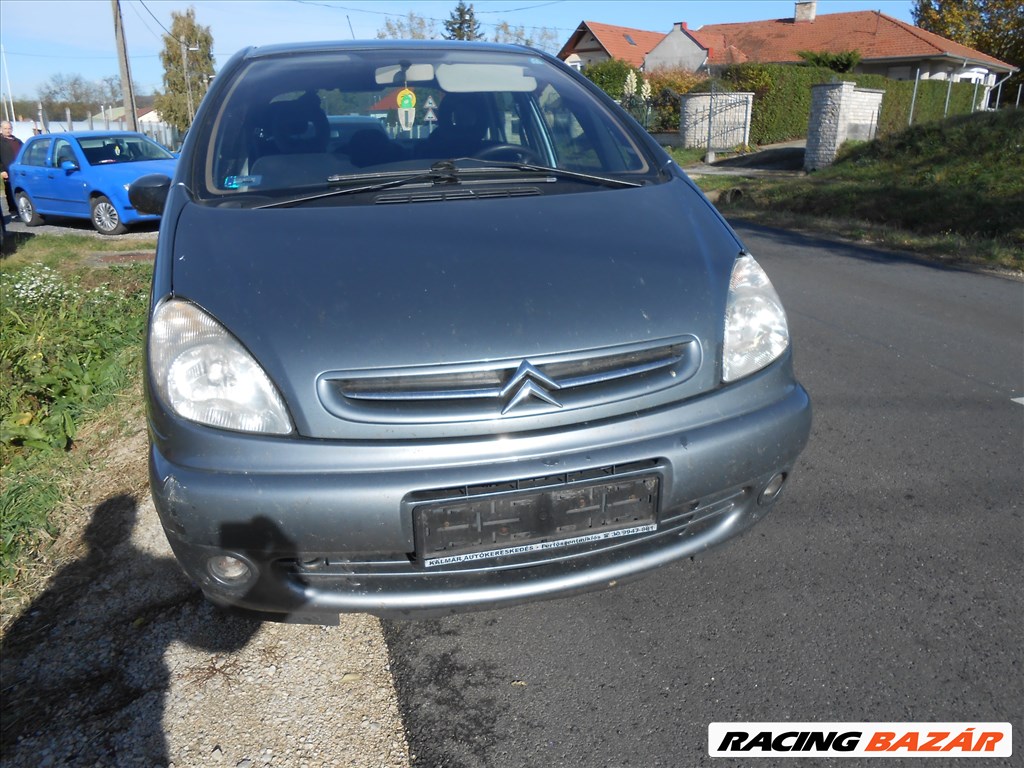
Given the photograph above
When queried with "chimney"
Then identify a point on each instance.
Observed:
(805, 11)
(684, 26)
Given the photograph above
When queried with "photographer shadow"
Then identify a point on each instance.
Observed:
(84, 677)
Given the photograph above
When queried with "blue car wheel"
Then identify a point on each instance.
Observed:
(27, 211)
(105, 217)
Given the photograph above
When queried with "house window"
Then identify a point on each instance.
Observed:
(629, 40)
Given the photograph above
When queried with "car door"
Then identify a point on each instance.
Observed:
(68, 187)
(30, 173)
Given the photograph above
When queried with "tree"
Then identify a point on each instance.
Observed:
(409, 27)
(72, 92)
(462, 24)
(194, 57)
(543, 38)
(62, 92)
(995, 27)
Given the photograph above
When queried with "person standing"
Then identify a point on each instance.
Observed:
(9, 147)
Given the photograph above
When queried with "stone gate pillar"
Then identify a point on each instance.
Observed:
(839, 111)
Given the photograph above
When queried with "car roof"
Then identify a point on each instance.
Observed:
(278, 49)
(85, 134)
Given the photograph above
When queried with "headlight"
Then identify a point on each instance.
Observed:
(756, 332)
(204, 374)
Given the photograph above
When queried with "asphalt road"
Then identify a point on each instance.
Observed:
(886, 586)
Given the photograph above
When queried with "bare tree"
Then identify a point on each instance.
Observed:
(543, 38)
(73, 92)
(409, 27)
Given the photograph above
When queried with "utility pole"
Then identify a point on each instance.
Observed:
(127, 89)
(188, 82)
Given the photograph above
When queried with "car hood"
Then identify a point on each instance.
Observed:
(326, 288)
(128, 172)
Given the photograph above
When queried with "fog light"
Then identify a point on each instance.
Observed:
(228, 569)
(772, 489)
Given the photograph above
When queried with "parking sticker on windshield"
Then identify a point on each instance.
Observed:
(235, 182)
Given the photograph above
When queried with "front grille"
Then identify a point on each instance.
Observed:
(511, 387)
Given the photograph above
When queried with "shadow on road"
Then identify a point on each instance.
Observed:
(83, 672)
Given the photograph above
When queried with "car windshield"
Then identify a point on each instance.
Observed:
(295, 124)
(101, 150)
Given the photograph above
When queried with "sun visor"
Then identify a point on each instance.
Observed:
(469, 78)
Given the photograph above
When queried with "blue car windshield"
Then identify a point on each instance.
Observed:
(101, 150)
(309, 119)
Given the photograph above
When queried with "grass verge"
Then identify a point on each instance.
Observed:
(952, 190)
(71, 332)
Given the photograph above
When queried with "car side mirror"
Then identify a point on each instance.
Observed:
(149, 193)
(69, 165)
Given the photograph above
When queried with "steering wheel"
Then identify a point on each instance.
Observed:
(514, 153)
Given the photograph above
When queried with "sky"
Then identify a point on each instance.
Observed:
(41, 38)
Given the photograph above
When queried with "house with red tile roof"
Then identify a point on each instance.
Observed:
(887, 46)
(593, 43)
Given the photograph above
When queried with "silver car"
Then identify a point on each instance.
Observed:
(496, 348)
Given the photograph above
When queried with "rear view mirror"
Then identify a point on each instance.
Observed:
(414, 73)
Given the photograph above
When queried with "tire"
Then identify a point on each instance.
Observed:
(105, 217)
(27, 210)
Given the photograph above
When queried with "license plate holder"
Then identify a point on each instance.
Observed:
(518, 523)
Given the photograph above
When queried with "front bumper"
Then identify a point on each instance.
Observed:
(328, 528)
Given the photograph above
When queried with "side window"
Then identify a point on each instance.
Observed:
(36, 152)
(62, 152)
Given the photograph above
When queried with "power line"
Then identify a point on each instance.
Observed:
(392, 15)
(165, 29)
(523, 8)
(144, 22)
(78, 57)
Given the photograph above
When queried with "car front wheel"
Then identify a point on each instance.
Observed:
(106, 218)
(27, 211)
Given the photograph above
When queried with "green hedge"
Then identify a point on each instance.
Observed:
(782, 98)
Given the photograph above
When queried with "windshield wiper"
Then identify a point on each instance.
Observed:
(443, 172)
(561, 173)
(439, 173)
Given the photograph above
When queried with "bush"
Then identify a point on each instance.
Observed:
(610, 76)
(844, 61)
(667, 85)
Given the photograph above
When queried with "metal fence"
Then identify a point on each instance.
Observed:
(162, 133)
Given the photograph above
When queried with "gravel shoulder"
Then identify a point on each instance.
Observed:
(120, 661)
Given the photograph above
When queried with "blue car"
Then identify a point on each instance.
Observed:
(85, 175)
